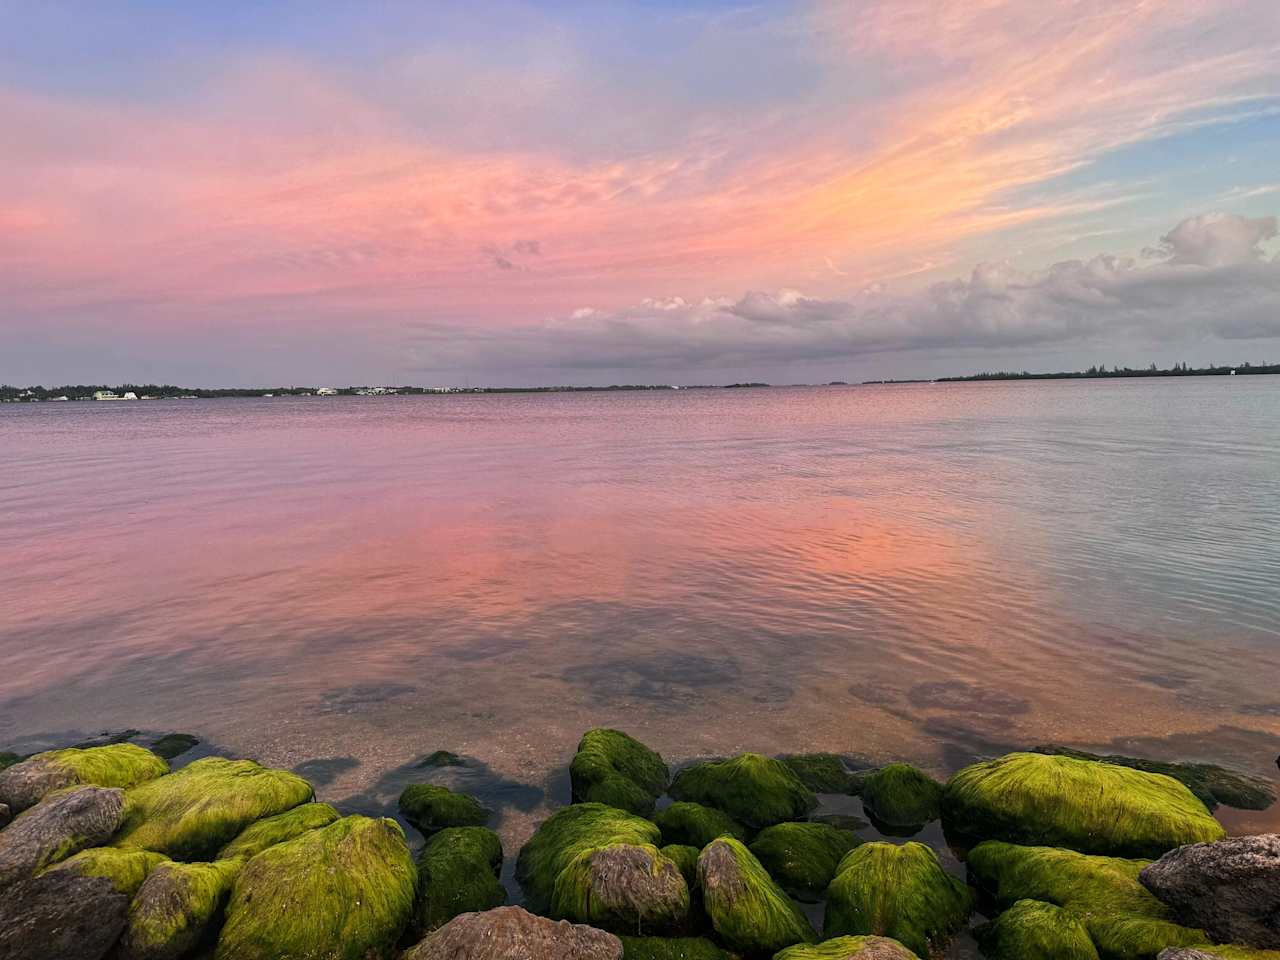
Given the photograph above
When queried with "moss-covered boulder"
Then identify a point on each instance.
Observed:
(269, 831)
(74, 910)
(695, 825)
(622, 887)
(58, 826)
(802, 857)
(897, 891)
(671, 948)
(8, 759)
(755, 790)
(343, 892)
(901, 797)
(195, 812)
(458, 873)
(124, 765)
(686, 858)
(567, 833)
(508, 933)
(178, 906)
(1092, 807)
(820, 772)
(430, 808)
(849, 948)
(1032, 930)
(749, 912)
(1124, 920)
(613, 768)
(1211, 783)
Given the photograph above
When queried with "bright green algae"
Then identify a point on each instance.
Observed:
(802, 857)
(115, 765)
(343, 892)
(193, 813)
(176, 907)
(458, 873)
(256, 837)
(614, 768)
(671, 948)
(848, 948)
(1211, 783)
(901, 795)
(820, 772)
(1124, 920)
(626, 888)
(126, 869)
(696, 825)
(753, 789)
(896, 891)
(1032, 930)
(686, 858)
(431, 808)
(748, 910)
(566, 834)
(1084, 805)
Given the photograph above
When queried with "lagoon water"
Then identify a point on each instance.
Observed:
(925, 572)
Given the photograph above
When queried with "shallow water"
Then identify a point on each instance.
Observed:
(926, 572)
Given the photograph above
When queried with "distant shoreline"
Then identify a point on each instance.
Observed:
(132, 391)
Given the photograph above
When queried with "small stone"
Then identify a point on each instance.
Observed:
(506, 933)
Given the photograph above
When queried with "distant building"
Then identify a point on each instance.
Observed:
(326, 392)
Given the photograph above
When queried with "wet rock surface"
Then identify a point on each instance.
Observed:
(508, 933)
(56, 828)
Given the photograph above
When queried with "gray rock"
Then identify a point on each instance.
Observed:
(1229, 888)
(56, 828)
(511, 933)
(1186, 953)
(61, 914)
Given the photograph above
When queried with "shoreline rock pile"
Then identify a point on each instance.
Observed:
(1068, 856)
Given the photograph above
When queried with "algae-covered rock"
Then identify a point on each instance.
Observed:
(193, 813)
(901, 796)
(431, 808)
(849, 948)
(117, 765)
(686, 858)
(441, 758)
(753, 789)
(748, 910)
(269, 831)
(174, 745)
(802, 857)
(60, 825)
(1124, 920)
(567, 833)
(1092, 807)
(176, 908)
(8, 759)
(897, 891)
(458, 873)
(622, 887)
(820, 772)
(63, 915)
(1211, 783)
(511, 933)
(671, 948)
(694, 825)
(126, 869)
(1032, 930)
(613, 768)
(1230, 888)
(343, 892)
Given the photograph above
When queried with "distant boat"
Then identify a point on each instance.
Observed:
(112, 395)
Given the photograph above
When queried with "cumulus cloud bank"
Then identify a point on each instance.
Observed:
(1210, 276)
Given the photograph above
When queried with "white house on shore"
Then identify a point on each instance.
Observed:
(326, 392)
(112, 395)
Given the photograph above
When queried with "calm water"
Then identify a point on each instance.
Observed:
(919, 572)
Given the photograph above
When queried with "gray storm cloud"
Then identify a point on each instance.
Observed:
(1210, 276)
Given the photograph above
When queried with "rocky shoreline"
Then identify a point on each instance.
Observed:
(105, 852)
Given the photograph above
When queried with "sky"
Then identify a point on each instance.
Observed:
(252, 193)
